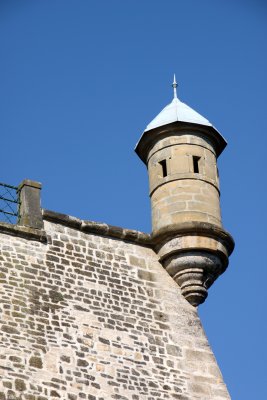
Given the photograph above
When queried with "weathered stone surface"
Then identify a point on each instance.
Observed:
(36, 362)
(98, 228)
(20, 385)
(23, 231)
(30, 204)
(86, 316)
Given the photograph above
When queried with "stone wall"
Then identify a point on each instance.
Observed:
(87, 316)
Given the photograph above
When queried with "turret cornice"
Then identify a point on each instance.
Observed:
(150, 138)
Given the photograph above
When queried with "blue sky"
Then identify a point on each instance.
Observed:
(79, 82)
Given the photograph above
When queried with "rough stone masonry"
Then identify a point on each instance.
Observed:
(97, 312)
(88, 312)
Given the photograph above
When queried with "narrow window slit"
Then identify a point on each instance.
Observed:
(196, 160)
(163, 164)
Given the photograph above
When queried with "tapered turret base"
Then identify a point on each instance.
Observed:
(194, 271)
(194, 260)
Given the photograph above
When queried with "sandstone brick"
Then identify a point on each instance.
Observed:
(146, 275)
(20, 385)
(36, 362)
(98, 320)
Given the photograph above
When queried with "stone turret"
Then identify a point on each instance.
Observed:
(180, 149)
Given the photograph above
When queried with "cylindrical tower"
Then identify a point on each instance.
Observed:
(180, 149)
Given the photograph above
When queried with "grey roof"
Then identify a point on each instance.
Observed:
(177, 111)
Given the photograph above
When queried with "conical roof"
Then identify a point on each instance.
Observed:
(177, 111)
(181, 113)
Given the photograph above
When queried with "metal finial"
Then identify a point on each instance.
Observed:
(174, 85)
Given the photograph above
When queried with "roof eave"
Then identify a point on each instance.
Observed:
(150, 137)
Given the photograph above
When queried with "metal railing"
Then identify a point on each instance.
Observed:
(9, 203)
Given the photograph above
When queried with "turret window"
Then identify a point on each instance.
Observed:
(163, 164)
(196, 161)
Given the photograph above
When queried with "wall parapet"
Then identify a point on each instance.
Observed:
(31, 216)
(98, 228)
(23, 231)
